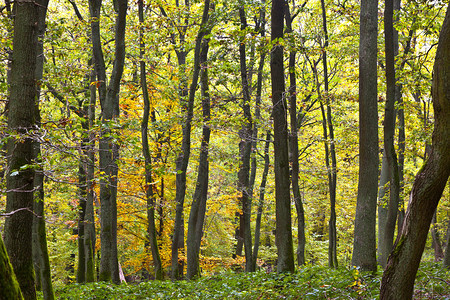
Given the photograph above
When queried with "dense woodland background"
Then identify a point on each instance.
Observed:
(173, 112)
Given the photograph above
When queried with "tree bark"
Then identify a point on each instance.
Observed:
(182, 160)
(399, 276)
(151, 230)
(364, 242)
(109, 152)
(198, 207)
(8, 281)
(446, 260)
(262, 192)
(301, 244)
(21, 155)
(283, 234)
(245, 149)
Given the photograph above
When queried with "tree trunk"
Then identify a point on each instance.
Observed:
(109, 267)
(262, 191)
(436, 241)
(294, 146)
(8, 281)
(183, 157)
(399, 276)
(446, 260)
(364, 242)
(283, 235)
(89, 218)
(389, 131)
(245, 149)
(198, 207)
(146, 153)
(22, 120)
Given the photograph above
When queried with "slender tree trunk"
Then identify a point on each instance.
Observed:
(283, 235)
(109, 267)
(436, 240)
(389, 131)
(89, 226)
(198, 207)
(446, 260)
(331, 170)
(262, 192)
(183, 157)
(39, 231)
(399, 276)
(146, 153)
(364, 242)
(245, 148)
(294, 147)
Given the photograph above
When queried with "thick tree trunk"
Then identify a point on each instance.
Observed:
(8, 281)
(283, 234)
(399, 276)
(21, 119)
(364, 242)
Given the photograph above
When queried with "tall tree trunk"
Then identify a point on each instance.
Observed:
(389, 131)
(364, 242)
(331, 170)
(21, 156)
(146, 153)
(183, 157)
(294, 146)
(198, 207)
(89, 166)
(109, 267)
(245, 149)
(39, 231)
(399, 276)
(283, 234)
(8, 281)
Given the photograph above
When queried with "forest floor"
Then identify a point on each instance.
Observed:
(310, 282)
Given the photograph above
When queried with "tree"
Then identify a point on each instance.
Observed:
(283, 233)
(399, 276)
(245, 149)
(146, 153)
(198, 207)
(388, 228)
(21, 155)
(8, 281)
(109, 150)
(294, 144)
(364, 245)
(40, 249)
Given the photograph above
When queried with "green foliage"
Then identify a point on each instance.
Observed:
(310, 282)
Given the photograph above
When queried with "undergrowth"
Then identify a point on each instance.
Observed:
(310, 282)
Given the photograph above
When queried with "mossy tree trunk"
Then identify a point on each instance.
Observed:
(399, 276)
